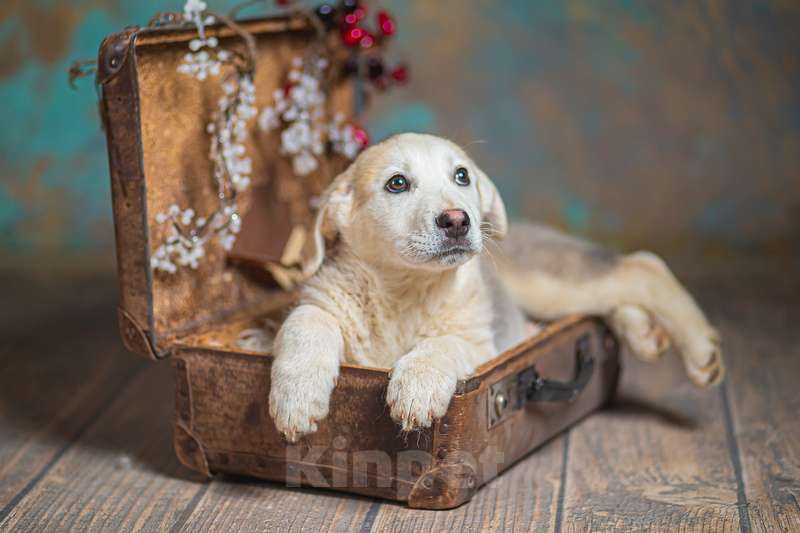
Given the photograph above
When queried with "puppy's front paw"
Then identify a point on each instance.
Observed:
(299, 399)
(702, 358)
(418, 393)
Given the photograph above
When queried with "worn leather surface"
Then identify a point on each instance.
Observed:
(222, 403)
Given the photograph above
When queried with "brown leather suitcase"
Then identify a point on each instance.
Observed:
(158, 152)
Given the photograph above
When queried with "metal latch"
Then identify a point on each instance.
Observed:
(514, 391)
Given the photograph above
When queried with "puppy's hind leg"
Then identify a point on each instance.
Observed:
(644, 279)
(551, 275)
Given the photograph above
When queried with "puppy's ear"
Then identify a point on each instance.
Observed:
(493, 210)
(334, 211)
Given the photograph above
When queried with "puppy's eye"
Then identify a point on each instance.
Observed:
(397, 183)
(461, 176)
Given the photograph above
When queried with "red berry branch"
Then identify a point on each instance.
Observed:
(349, 18)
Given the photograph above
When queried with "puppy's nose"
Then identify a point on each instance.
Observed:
(454, 222)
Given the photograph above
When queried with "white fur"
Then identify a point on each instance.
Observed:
(387, 289)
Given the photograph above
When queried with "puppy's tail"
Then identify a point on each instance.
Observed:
(550, 275)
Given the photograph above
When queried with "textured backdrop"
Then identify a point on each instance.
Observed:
(669, 125)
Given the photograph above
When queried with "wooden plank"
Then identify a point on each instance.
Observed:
(73, 457)
(524, 498)
(245, 505)
(763, 347)
(121, 474)
(657, 460)
(62, 363)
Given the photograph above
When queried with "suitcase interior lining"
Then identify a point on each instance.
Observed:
(224, 335)
(173, 111)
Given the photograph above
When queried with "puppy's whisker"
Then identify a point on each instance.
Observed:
(490, 255)
(477, 141)
(486, 225)
(488, 243)
(496, 251)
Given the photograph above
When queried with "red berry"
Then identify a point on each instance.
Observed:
(360, 135)
(399, 74)
(283, 2)
(355, 16)
(352, 36)
(287, 89)
(367, 41)
(386, 23)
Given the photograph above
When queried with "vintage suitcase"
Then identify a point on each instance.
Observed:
(158, 152)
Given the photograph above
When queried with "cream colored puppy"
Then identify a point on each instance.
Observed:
(402, 277)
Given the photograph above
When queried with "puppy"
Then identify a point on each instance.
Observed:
(406, 274)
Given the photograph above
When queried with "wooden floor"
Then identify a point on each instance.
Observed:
(85, 436)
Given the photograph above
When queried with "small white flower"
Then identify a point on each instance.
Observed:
(344, 141)
(291, 114)
(193, 8)
(227, 242)
(304, 163)
(268, 120)
(241, 184)
(199, 65)
(186, 217)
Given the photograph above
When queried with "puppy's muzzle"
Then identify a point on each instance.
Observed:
(454, 222)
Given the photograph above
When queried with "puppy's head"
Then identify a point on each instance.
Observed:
(413, 201)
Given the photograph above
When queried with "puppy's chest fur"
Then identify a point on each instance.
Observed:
(383, 317)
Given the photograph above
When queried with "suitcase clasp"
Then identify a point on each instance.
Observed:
(515, 391)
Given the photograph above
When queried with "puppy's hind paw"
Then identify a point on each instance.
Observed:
(640, 332)
(703, 361)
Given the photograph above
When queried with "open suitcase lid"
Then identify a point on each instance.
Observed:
(155, 120)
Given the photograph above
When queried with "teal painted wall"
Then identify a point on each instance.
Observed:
(667, 125)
